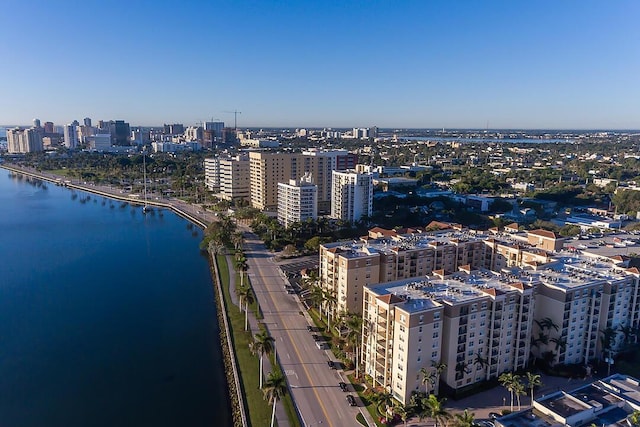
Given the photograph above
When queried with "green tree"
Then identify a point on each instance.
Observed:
(510, 381)
(428, 378)
(533, 381)
(434, 409)
(262, 344)
(464, 419)
(275, 387)
(403, 411)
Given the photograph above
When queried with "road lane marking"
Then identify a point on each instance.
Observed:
(295, 348)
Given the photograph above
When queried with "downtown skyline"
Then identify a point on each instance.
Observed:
(501, 65)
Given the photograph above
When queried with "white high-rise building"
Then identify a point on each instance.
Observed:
(212, 173)
(297, 200)
(70, 136)
(351, 195)
(235, 183)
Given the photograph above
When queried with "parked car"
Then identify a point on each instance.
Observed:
(494, 415)
(343, 386)
(351, 400)
(309, 328)
(331, 364)
(315, 337)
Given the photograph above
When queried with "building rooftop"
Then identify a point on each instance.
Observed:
(420, 294)
(391, 242)
(607, 402)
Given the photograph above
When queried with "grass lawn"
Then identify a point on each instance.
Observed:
(371, 407)
(258, 410)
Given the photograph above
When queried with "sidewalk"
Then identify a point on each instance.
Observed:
(281, 416)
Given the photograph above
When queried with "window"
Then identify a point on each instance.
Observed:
(434, 354)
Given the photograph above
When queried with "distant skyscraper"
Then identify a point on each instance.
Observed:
(36, 123)
(70, 136)
(120, 132)
(48, 127)
(87, 121)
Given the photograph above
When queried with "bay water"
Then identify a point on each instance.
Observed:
(107, 315)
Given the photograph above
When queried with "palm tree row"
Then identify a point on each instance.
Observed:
(513, 384)
(275, 386)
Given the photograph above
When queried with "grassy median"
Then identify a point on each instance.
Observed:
(258, 410)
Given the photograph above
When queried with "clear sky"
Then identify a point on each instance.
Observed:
(322, 63)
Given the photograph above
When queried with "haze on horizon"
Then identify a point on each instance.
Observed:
(409, 64)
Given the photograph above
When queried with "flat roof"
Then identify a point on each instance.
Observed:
(423, 293)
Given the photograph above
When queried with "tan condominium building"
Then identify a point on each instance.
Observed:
(270, 168)
(475, 324)
(234, 179)
(385, 256)
(586, 309)
(297, 201)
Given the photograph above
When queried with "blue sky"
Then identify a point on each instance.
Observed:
(453, 64)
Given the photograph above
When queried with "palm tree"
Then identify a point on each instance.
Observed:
(274, 389)
(428, 378)
(238, 240)
(262, 343)
(533, 381)
(461, 370)
(353, 323)
(245, 294)
(316, 296)
(518, 390)
(435, 409)
(403, 411)
(330, 299)
(240, 265)
(465, 419)
(440, 368)
(508, 380)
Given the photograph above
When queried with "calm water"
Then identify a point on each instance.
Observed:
(107, 316)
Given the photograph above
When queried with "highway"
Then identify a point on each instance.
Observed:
(313, 384)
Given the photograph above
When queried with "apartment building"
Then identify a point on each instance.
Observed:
(385, 256)
(267, 169)
(212, 173)
(351, 195)
(577, 300)
(235, 178)
(270, 168)
(297, 201)
(476, 322)
(20, 141)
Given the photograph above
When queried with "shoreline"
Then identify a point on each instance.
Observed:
(179, 207)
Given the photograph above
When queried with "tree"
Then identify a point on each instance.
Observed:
(533, 381)
(509, 381)
(353, 323)
(262, 343)
(519, 390)
(403, 411)
(275, 387)
(465, 419)
(428, 378)
(240, 265)
(434, 408)
(440, 368)
(245, 294)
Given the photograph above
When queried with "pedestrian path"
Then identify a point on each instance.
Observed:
(281, 415)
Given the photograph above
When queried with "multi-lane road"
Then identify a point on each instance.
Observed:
(313, 384)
